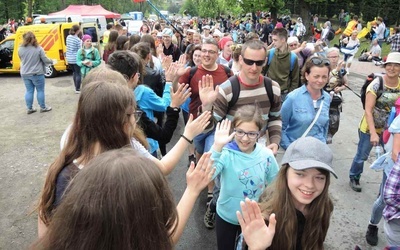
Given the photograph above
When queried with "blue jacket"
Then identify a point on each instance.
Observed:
(149, 101)
(297, 114)
(242, 175)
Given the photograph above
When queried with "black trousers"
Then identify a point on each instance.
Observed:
(226, 233)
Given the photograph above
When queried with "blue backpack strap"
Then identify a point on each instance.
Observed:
(271, 55)
(293, 58)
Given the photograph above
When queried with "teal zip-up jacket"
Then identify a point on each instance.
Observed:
(242, 175)
(93, 55)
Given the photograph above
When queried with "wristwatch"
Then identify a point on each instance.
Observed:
(175, 109)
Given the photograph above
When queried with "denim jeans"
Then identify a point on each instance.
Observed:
(379, 204)
(76, 76)
(204, 141)
(31, 83)
(363, 149)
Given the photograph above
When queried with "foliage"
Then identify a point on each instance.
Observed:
(190, 8)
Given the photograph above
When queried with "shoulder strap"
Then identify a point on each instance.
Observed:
(293, 58)
(271, 55)
(227, 71)
(315, 119)
(191, 74)
(268, 88)
(235, 91)
(380, 90)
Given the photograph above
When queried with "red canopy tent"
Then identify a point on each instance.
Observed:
(86, 10)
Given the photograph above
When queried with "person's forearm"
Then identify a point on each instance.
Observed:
(174, 155)
(184, 208)
(370, 121)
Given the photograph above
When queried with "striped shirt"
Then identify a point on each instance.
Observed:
(73, 45)
(247, 96)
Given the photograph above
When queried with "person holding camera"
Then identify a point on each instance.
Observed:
(337, 82)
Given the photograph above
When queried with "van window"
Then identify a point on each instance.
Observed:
(7, 44)
(92, 32)
(66, 33)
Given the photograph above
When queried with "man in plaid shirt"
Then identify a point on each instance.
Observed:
(391, 213)
(394, 41)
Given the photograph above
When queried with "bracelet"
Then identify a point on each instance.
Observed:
(184, 137)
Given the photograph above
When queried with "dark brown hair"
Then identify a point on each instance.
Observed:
(74, 29)
(112, 41)
(280, 32)
(120, 200)
(309, 64)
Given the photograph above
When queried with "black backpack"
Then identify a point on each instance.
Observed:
(369, 79)
(236, 89)
(331, 34)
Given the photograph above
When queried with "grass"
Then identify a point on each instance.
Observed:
(364, 44)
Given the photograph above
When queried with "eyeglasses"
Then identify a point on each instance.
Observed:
(333, 56)
(241, 133)
(211, 52)
(216, 36)
(137, 114)
(293, 45)
(251, 62)
(318, 61)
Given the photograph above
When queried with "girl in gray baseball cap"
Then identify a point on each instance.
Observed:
(298, 198)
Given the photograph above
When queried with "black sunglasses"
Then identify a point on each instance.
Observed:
(318, 61)
(251, 62)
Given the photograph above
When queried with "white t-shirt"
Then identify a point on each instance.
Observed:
(134, 143)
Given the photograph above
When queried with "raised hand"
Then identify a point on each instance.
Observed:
(166, 62)
(222, 135)
(198, 178)
(160, 51)
(207, 93)
(255, 232)
(181, 65)
(197, 126)
(170, 71)
(180, 95)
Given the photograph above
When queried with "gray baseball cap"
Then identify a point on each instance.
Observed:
(309, 152)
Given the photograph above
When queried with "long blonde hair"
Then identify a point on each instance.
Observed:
(278, 199)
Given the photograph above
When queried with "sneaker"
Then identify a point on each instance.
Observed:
(46, 109)
(372, 235)
(209, 198)
(209, 218)
(355, 185)
(30, 111)
(77, 91)
(329, 139)
(192, 158)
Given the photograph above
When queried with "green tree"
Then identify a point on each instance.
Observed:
(189, 7)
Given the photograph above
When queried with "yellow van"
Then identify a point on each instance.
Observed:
(51, 37)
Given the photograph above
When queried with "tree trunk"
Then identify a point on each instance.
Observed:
(30, 7)
(274, 15)
(304, 14)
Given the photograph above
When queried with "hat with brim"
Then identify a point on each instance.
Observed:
(191, 31)
(167, 32)
(393, 57)
(309, 152)
(206, 27)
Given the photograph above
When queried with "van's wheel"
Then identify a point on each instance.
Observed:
(50, 71)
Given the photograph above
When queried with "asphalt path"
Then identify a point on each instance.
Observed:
(22, 170)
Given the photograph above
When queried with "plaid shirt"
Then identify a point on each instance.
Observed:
(395, 42)
(391, 193)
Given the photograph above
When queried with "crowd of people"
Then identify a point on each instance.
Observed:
(241, 104)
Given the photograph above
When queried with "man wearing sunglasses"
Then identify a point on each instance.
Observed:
(253, 89)
(279, 68)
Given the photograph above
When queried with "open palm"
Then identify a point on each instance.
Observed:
(207, 92)
(222, 135)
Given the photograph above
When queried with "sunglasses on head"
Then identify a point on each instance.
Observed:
(319, 61)
(251, 62)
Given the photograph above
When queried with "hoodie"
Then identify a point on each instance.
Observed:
(242, 175)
